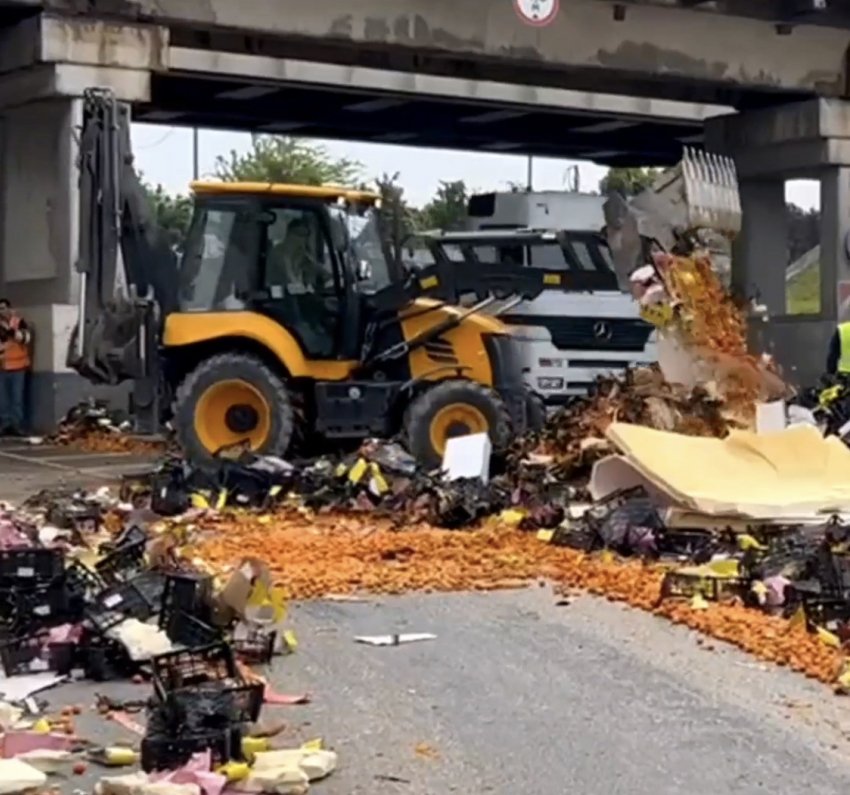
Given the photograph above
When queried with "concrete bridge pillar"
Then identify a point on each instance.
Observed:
(805, 140)
(45, 65)
(835, 241)
(38, 203)
(762, 243)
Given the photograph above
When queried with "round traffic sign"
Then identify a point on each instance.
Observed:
(537, 12)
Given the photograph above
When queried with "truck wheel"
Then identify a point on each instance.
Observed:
(229, 399)
(454, 408)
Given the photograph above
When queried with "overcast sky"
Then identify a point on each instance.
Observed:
(164, 155)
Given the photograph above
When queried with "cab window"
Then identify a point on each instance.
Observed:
(300, 277)
(219, 260)
(297, 255)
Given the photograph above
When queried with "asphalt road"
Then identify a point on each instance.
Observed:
(519, 695)
(27, 468)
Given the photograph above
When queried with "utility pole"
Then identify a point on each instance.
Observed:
(529, 178)
(196, 168)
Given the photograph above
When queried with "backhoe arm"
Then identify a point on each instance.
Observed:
(127, 269)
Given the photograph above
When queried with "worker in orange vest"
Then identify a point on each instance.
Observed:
(15, 361)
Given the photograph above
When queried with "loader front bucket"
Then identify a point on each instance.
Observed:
(699, 194)
(705, 185)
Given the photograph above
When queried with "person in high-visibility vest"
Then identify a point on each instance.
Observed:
(838, 357)
(15, 361)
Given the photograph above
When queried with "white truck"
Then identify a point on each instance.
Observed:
(569, 339)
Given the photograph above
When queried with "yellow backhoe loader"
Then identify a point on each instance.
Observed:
(286, 316)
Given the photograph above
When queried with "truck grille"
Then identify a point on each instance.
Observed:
(590, 333)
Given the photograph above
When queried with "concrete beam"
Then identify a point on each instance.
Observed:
(83, 41)
(797, 139)
(809, 120)
(651, 43)
(70, 80)
(98, 43)
(261, 69)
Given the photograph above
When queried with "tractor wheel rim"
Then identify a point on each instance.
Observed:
(456, 419)
(231, 412)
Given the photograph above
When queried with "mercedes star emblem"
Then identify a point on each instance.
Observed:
(602, 331)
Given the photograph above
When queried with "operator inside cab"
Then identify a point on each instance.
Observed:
(838, 356)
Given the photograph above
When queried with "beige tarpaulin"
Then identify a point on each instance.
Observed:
(792, 473)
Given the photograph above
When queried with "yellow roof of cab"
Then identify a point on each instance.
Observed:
(326, 192)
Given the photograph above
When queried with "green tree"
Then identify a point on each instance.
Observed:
(628, 181)
(279, 158)
(173, 212)
(403, 219)
(447, 209)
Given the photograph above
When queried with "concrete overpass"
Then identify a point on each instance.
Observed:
(426, 72)
(676, 49)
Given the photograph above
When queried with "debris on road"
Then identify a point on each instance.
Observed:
(99, 594)
(394, 640)
(93, 426)
(425, 751)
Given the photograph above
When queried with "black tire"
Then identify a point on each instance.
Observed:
(229, 367)
(535, 412)
(422, 411)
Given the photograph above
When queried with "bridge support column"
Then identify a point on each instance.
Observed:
(38, 196)
(762, 242)
(835, 243)
(806, 140)
(46, 63)
(39, 231)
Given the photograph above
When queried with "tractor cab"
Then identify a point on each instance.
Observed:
(300, 255)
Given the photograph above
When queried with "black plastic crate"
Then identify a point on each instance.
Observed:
(37, 606)
(104, 659)
(210, 706)
(77, 516)
(129, 535)
(210, 670)
(123, 562)
(64, 657)
(30, 565)
(169, 752)
(151, 585)
(178, 669)
(233, 700)
(685, 585)
(186, 593)
(828, 612)
(186, 630)
(115, 605)
(83, 580)
(255, 646)
(30, 653)
(578, 535)
(694, 545)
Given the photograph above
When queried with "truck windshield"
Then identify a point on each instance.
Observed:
(367, 246)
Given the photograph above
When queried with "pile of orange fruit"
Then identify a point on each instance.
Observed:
(111, 442)
(312, 557)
